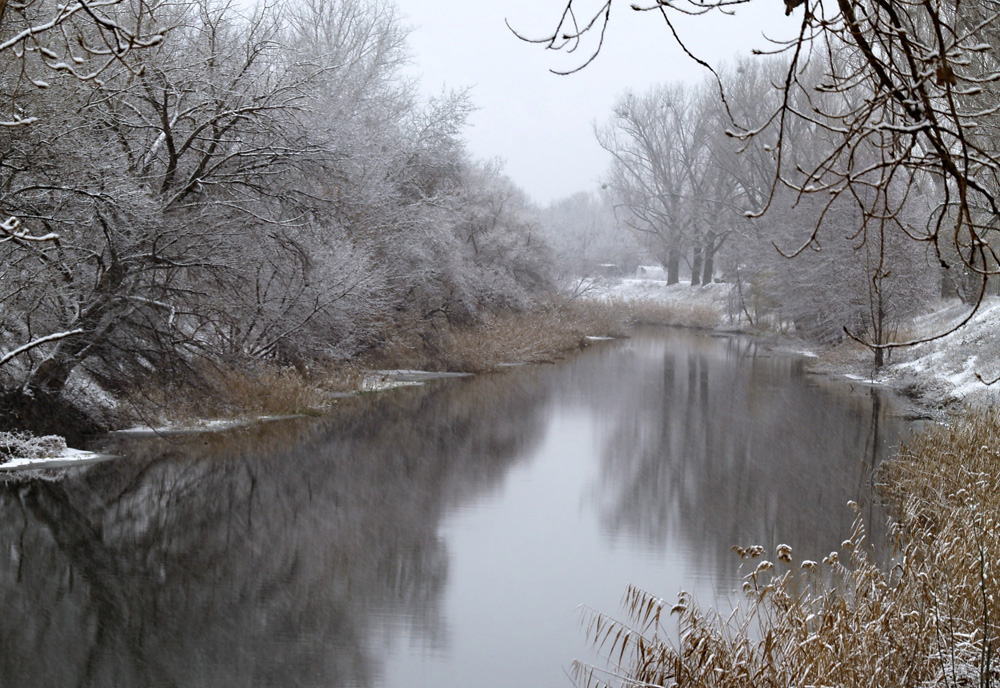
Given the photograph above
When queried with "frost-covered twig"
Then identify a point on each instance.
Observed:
(38, 342)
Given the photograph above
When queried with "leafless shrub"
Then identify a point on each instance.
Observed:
(23, 445)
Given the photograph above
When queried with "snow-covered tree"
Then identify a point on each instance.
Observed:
(914, 81)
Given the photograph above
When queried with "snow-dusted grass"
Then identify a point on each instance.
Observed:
(675, 304)
(21, 450)
(953, 367)
(930, 617)
(24, 445)
(654, 302)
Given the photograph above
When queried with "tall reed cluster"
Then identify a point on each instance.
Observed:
(927, 617)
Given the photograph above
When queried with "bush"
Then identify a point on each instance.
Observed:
(24, 445)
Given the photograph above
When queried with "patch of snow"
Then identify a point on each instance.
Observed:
(952, 365)
(381, 380)
(381, 384)
(200, 426)
(67, 458)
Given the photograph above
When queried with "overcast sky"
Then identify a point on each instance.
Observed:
(539, 123)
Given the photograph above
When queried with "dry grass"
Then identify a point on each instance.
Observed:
(847, 354)
(265, 390)
(929, 618)
(284, 390)
(652, 312)
(540, 335)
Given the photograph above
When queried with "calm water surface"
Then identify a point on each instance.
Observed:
(441, 536)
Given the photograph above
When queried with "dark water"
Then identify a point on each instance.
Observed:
(437, 536)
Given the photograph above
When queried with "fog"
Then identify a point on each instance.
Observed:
(541, 123)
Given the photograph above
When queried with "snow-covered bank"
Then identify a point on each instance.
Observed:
(715, 295)
(955, 368)
(69, 458)
(21, 452)
(939, 375)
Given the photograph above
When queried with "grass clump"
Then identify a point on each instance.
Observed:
(674, 313)
(24, 445)
(929, 617)
(264, 389)
(541, 334)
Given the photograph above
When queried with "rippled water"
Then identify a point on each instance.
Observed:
(437, 536)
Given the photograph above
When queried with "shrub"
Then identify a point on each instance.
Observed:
(928, 617)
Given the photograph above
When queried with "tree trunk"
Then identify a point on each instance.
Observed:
(880, 332)
(708, 270)
(673, 266)
(696, 263)
(96, 321)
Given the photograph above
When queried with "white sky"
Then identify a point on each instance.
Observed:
(539, 123)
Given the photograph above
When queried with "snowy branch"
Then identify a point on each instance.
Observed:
(38, 342)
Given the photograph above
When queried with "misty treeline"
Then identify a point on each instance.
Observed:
(212, 181)
(881, 119)
(704, 200)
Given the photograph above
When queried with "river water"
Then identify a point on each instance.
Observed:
(446, 535)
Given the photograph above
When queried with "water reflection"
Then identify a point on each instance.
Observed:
(725, 444)
(261, 557)
(331, 552)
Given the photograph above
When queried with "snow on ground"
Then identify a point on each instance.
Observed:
(65, 459)
(637, 289)
(949, 369)
(941, 372)
(381, 380)
(374, 381)
(200, 426)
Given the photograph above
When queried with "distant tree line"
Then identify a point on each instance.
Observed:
(882, 108)
(210, 181)
(704, 199)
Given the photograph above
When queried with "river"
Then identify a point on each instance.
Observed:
(438, 536)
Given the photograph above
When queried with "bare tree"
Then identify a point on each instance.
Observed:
(648, 174)
(916, 82)
(80, 39)
(670, 176)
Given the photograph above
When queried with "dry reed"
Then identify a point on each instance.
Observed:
(265, 389)
(538, 335)
(542, 334)
(926, 618)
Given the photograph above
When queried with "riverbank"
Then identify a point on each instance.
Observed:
(929, 617)
(937, 377)
(226, 398)
(942, 375)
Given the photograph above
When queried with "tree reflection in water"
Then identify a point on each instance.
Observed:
(260, 557)
(304, 553)
(718, 444)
